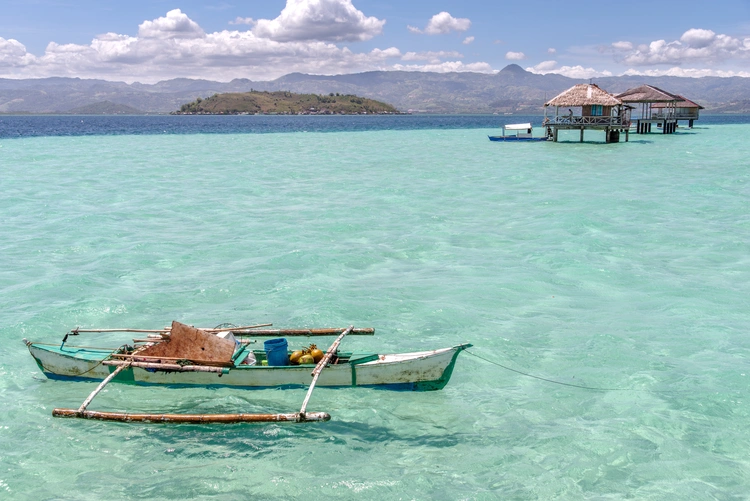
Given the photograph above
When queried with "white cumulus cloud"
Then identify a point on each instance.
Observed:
(515, 56)
(432, 57)
(688, 72)
(543, 67)
(243, 20)
(468, 40)
(578, 72)
(13, 53)
(448, 67)
(174, 46)
(321, 20)
(695, 45)
(442, 24)
(174, 25)
(11, 47)
(623, 45)
(698, 38)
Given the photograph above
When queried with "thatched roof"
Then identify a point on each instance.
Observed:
(647, 94)
(682, 103)
(584, 95)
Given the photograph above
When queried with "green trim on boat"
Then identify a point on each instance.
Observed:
(125, 376)
(79, 353)
(240, 354)
(357, 358)
(439, 384)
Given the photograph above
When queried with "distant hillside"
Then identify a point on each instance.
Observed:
(742, 106)
(284, 103)
(105, 108)
(512, 90)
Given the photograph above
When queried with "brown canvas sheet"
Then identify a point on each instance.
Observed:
(192, 344)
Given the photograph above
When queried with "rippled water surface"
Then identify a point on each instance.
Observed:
(616, 275)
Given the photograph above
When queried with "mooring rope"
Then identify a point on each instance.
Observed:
(593, 388)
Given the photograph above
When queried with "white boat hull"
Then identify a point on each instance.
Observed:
(425, 370)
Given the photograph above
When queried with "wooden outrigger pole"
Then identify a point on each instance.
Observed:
(193, 418)
(256, 330)
(133, 361)
(167, 329)
(99, 388)
(364, 331)
(319, 368)
(82, 413)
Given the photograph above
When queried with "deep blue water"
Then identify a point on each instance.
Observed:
(95, 125)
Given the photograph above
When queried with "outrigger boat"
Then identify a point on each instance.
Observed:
(186, 356)
(517, 132)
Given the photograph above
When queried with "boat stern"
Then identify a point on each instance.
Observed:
(66, 362)
(439, 384)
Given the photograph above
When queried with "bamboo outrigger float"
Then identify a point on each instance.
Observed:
(185, 356)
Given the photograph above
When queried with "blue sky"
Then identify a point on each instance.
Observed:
(154, 40)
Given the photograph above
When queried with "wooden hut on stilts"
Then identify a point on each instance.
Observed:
(684, 109)
(647, 96)
(588, 108)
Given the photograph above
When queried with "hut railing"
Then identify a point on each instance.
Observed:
(679, 114)
(568, 120)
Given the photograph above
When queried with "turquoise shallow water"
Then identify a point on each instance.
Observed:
(623, 268)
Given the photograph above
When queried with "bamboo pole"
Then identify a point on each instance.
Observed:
(193, 418)
(321, 365)
(99, 388)
(99, 348)
(137, 357)
(168, 367)
(167, 329)
(257, 330)
(368, 331)
(77, 330)
(233, 329)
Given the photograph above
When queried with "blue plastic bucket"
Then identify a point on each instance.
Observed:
(276, 352)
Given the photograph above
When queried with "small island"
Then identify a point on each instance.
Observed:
(284, 103)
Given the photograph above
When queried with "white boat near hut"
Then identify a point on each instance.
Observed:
(517, 132)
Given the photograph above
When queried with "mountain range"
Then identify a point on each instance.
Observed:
(512, 90)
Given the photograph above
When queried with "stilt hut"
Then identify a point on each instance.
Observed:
(587, 107)
(685, 109)
(648, 96)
